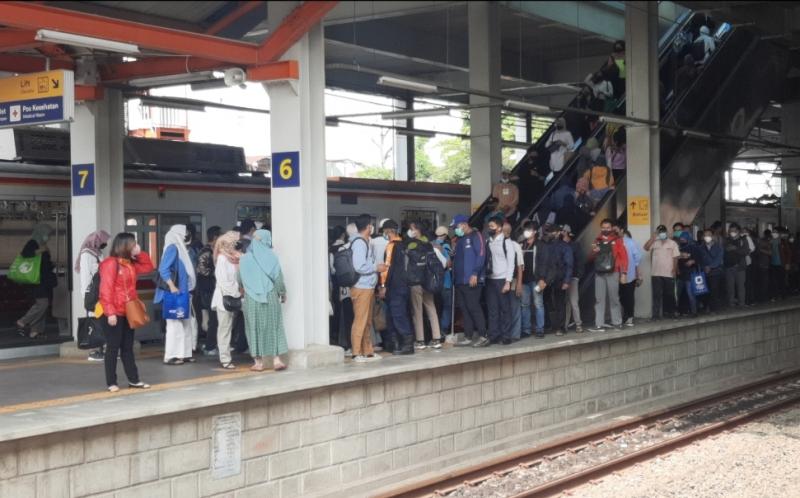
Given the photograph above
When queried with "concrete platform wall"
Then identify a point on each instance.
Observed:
(318, 441)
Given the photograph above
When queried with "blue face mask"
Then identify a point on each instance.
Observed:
(385, 237)
(459, 232)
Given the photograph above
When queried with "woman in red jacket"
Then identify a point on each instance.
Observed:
(118, 275)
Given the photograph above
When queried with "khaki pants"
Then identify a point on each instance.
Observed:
(360, 334)
(420, 298)
(224, 331)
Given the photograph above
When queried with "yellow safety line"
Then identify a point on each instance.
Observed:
(50, 403)
(73, 361)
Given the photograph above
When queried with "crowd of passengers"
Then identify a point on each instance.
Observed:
(507, 288)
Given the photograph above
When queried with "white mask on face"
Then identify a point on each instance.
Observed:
(411, 234)
(528, 234)
(708, 239)
(775, 235)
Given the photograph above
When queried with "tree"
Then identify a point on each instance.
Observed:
(424, 167)
(376, 173)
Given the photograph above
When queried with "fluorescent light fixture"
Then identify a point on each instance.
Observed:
(331, 121)
(208, 85)
(166, 103)
(50, 36)
(174, 79)
(527, 106)
(621, 121)
(696, 134)
(407, 84)
(416, 133)
(415, 114)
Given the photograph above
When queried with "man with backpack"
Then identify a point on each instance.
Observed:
(422, 259)
(500, 270)
(469, 262)
(610, 261)
(395, 290)
(553, 276)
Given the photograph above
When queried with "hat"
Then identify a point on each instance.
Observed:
(382, 222)
(566, 229)
(442, 230)
(389, 224)
(661, 228)
(459, 218)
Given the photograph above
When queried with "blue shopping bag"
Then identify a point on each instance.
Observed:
(699, 283)
(176, 306)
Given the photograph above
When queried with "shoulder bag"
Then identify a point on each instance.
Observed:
(135, 310)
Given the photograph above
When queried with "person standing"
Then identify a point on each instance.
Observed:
(395, 291)
(206, 286)
(176, 270)
(469, 276)
(86, 265)
(421, 299)
(500, 269)
(226, 284)
(627, 291)
(118, 274)
(507, 195)
(712, 265)
(363, 292)
(442, 245)
(559, 143)
(735, 264)
(264, 292)
(664, 254)
(573, 306)
(532, 297)
(553, 276)
(32, 324)
(689, 262)
(610, 261)
(515, 295)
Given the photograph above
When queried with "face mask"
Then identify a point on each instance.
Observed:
(708, 239)
(492, 232)
(775, 235)
(662, 235)
(385, 237)
(784, 236)
(411, 234)
(559, 127)
(605, 233)
(677, 233)
(734, 235)
(459, 232)
(103, 246)
(528, 234)
(504, 180)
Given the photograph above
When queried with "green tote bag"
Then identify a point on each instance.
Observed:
(26, 271)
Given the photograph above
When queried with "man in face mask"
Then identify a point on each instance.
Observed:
(515, 323)
(422, 300)
(610, 261)
(500, 269)
(735, 263)
(558, 143)
(532, 295)
(553, 275)
(507, 195)
(395, 291)
(445, 253)
(712, 263)
(664, 254)
(469, 261)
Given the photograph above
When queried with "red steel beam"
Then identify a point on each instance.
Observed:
(281, 70)
(35, 16)
(88, 92)
(28, 64)
(243, 9)
(15, 39)
(293, 27)
(158, 66)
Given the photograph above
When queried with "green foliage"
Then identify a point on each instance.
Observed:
(424, 166)
(376, 173)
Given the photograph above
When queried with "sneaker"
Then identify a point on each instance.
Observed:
(211, 352)
(579, 329)
(506, 342)
(629, 322)
(618, 327)
(436, 343)
(348, 353)
(360, 359)
(464, 342)
(559, 333)
(374, 357)
(481, 343)
(378, 349)
(419, 345)
(596, 329)
(96, 356)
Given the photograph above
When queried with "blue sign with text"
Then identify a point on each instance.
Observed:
(285, 169)
(82, 179)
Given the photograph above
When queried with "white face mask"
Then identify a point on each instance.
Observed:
(528, 234)
(411, 234)
(708, 239)
(775, 235)
(504, 180)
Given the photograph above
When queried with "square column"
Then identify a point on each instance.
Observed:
(485, 123)
(96, 137)
(641, 95)
(300, 213)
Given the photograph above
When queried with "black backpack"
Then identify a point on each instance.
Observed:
(416, 263)
(92, 293)
(346, 274)
(605, 261)
(434, 274)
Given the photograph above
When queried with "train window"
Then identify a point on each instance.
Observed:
(150, 229)
(256, 212)
(422, 215)
(344, 220)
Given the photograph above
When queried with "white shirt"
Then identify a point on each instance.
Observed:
(379, 248)
(89, 266)
(518, 252)
(502, 264)
(557, 156)
(227, 282)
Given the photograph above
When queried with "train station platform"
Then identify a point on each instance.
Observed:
(346, 428)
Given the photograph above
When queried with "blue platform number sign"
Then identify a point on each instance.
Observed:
(82, 179)
(285, 169)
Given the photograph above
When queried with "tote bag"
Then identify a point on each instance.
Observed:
(26, 271)
(699, 283)
(176, 306)
(90, 333)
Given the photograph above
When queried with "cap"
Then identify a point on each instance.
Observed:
(442, 230)
(381, 223)
(459, 218)
(566, 229)
(389, 224)
(661, 228)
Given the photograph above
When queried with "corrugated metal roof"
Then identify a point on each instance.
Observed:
(192, 12)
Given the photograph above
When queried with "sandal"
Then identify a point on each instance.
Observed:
(174, 361)
(257, 369)
(190, 360)
(229, 366)
(138, 385)
(113, 389)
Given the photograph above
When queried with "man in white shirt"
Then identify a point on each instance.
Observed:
(515, 323)
(500, 271)
(558, 143)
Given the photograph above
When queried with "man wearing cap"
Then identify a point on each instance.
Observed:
(469, 260)
(558, 143)
(664, 253)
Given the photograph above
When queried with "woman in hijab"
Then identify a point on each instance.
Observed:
(226, 259)
(264, 291)
(177, 271)
(32, 325)
(86, 265)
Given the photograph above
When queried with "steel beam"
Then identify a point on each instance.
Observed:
(292, 28)
(602, 18)
(240, 11)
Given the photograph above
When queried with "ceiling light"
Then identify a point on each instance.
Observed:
(173, 79)
(527, 106)
(209, 85)
(696, 134)
(415, 114)
(416, 133)
(50, 36)
(407, 84)
(166, 103)
(621, 121)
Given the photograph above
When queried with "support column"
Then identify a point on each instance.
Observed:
(96, 137)
(484, 75)
(790, 128)
(300, 213)
(403, 154)
(641, 95)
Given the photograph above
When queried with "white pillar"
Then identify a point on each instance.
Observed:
(484, 75)
(641, 95)
(96, 137)
(401, 144)
(300, 213)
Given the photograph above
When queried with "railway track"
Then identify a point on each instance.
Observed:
(574, 460)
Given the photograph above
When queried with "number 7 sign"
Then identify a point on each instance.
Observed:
(82, 179)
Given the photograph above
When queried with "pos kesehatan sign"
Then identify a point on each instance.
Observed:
(37, 98)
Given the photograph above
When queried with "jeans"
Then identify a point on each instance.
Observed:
(573, 305)
(627, 297)
(734, 286)
(715, 290)
(397, 298)
(499, 307)
(777, 282)
(446, 318)
(685, 288)
(532, 299)
(607, 284)
(515, 323)
(119, 340)
(469, 302)
(663, 296)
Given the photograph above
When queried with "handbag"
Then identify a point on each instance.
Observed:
(699, 283)
(136, 313)
(26, 271)
(176, 306)
(91, 334)
(231, 303)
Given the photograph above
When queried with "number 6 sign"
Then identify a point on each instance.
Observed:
(285, 169)
(82, 179)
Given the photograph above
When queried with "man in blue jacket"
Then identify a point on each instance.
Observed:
(469, 261)
(554, 276)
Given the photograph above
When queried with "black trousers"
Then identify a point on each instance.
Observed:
(627, 293)
(469, 302)
(555, 300)
(777, 282)
(714, 296)
(663, 296)
(211, 333)
(119, 340)
(346, 323)
(762, 293)
(499, 307)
